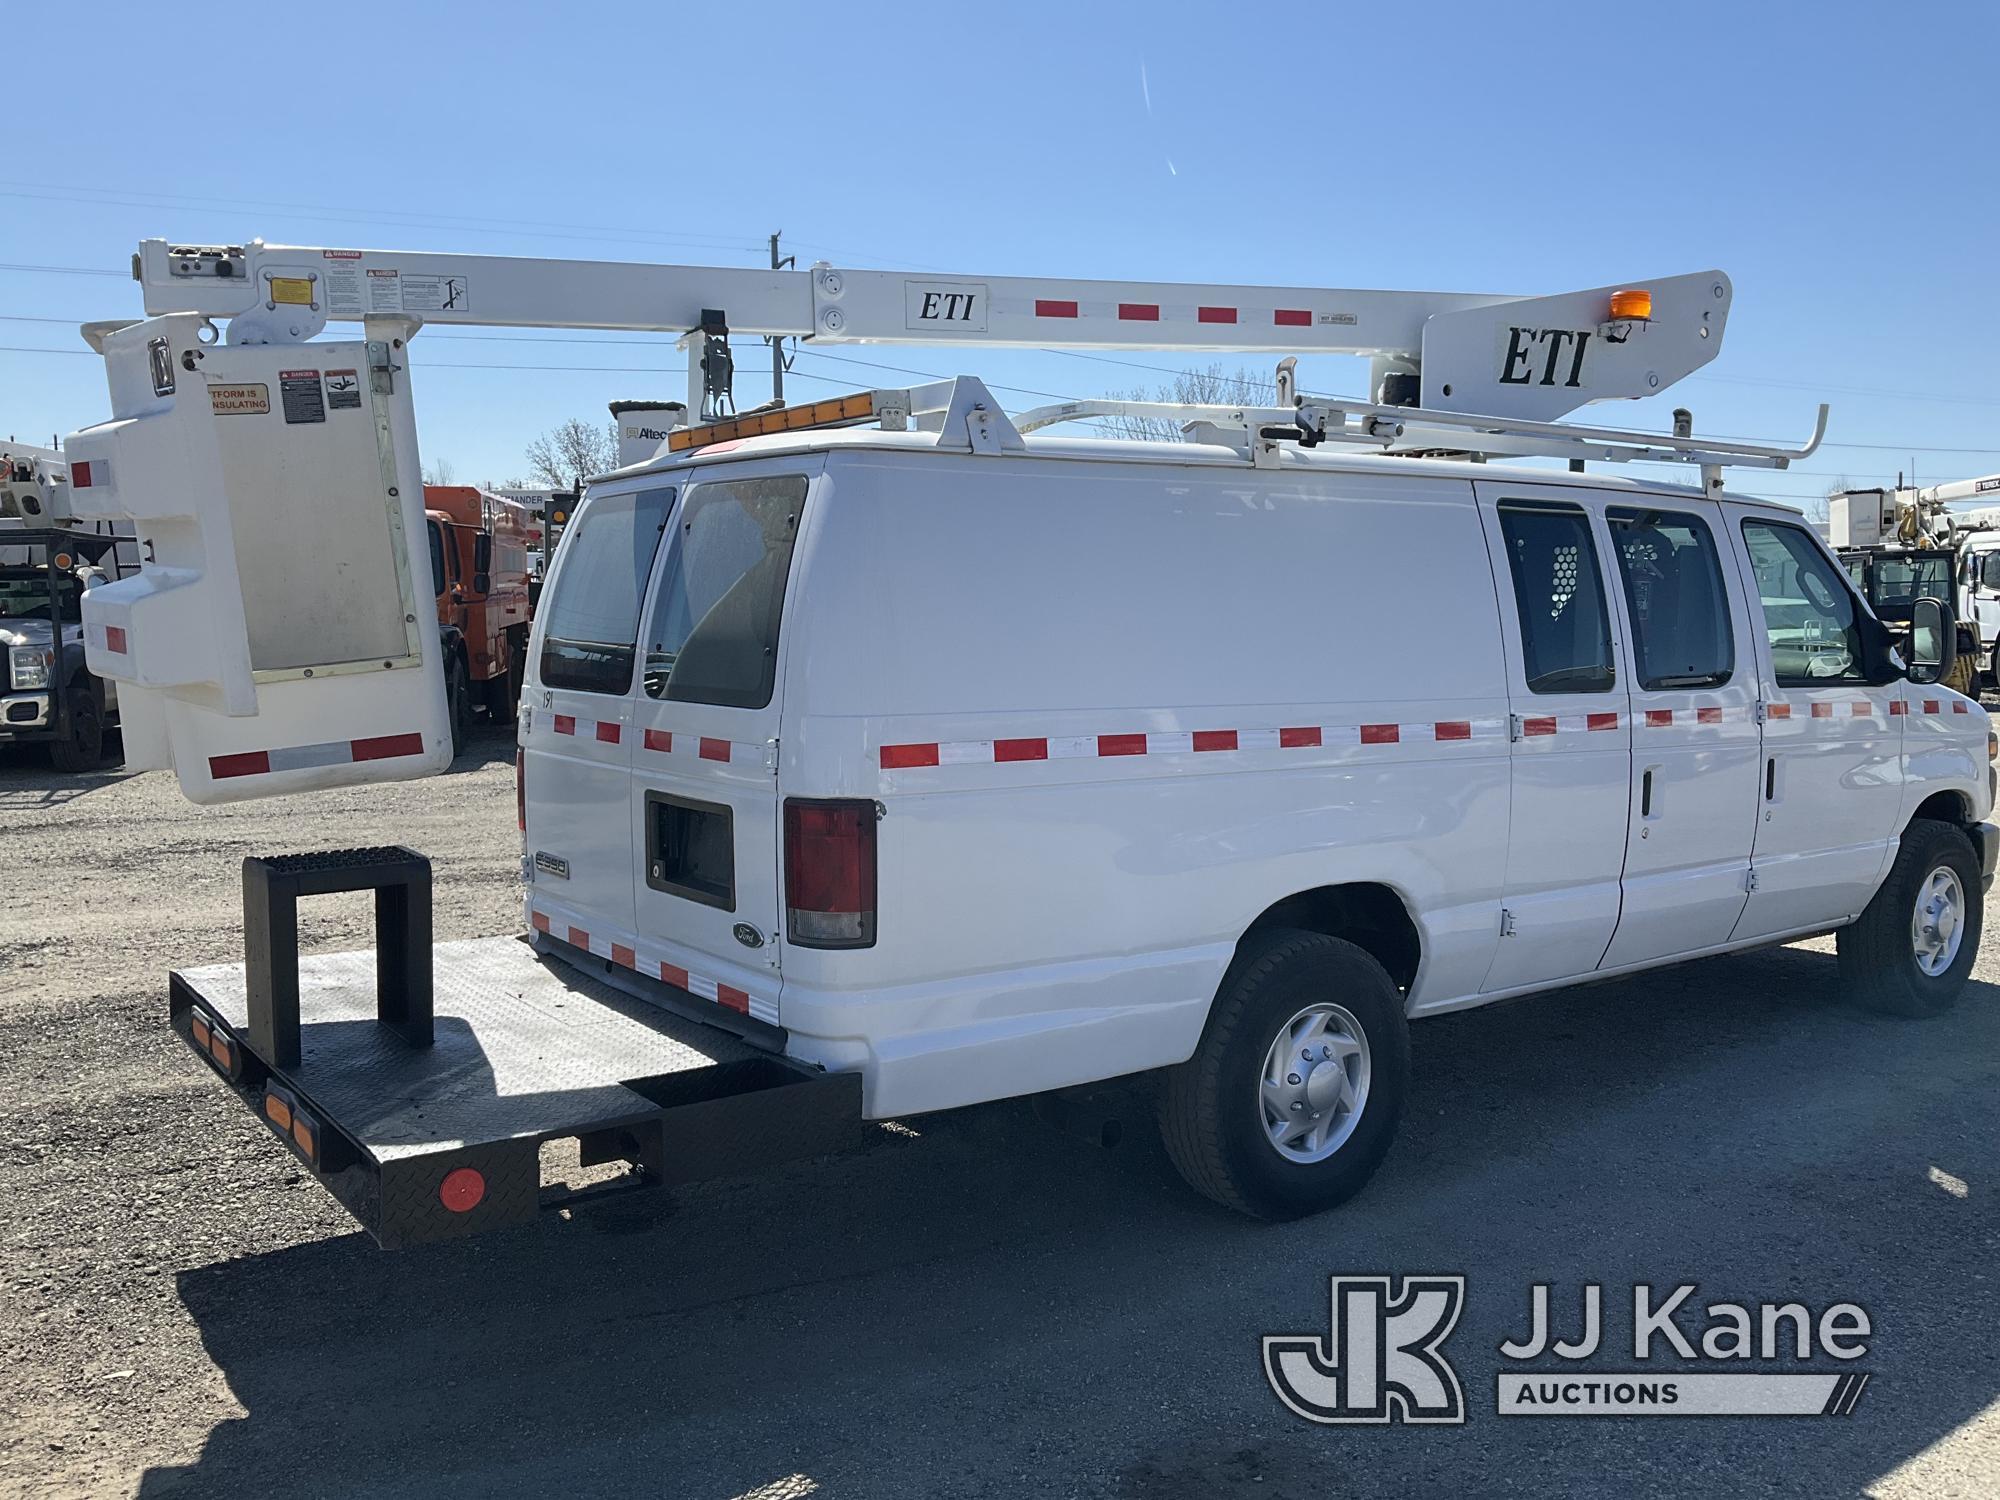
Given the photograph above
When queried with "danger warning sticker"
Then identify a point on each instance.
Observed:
(343, 389)
(299, 390)
(239, 400)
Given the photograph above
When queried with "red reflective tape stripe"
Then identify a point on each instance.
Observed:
(1933, 706)
(1045, 309)
(624, 956)
(1452, 729)
(901, 757)
(1708, 715)
(1864, 710)
(79, 476)
(1292, 317)
(1121, 744)
(248, 763)
(660, 739)
(1959, 706)
(1600, 721)
(540, 920)
(1215, 315)
(675, 975)
(1019, 749)
(114, 638)
(608, 733)
(1381, 734)
(579, 938)
(1538, 726)
(1822, 710)
(1215, 739)
(387, 746)
(565, 724)
(714, 749)
(732, 997)
(1898, 706)
(1777, 710)
(1139, 312)
(1659, 718)
(1294, 739)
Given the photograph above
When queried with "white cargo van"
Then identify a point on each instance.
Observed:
(987, 774)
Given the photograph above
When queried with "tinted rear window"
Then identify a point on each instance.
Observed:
(713, 637)
(591, 615)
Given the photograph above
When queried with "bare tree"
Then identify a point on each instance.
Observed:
(563, 457)
(1209, 387)
(440, 471)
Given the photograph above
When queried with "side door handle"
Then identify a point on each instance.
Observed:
(1646, 791)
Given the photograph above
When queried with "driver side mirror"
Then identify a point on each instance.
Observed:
(1933, 641)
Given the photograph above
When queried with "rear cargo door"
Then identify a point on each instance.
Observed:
(704, 802)
(576, 728)
(281, 634)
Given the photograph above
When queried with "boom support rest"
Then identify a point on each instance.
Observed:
(401, 881)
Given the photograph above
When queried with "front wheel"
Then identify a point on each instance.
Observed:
(82, 747)
(1912, 949)
(458, 698)
(1289, 1103)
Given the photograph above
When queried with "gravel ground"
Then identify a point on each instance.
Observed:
(975, 1304)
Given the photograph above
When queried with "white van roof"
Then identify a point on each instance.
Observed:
(1181, 454)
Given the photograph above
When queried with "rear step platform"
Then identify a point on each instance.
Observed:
(428, 1142)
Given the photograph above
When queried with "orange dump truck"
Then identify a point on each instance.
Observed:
(479, 571)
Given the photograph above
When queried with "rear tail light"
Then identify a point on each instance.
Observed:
(830, 873)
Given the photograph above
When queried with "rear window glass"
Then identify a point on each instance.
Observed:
(590, 617)
(713, 637)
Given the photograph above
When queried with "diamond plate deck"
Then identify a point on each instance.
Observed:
(526, 1047)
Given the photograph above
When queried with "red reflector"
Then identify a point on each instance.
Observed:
(714, 749)
(247, 763)
(1004, 750)
(1139, 312)
(1215, 739)
(387, 747)
(1121, 744)
(830, 873)
(79, 476)
(1299, 738)
(114, 639)
(1292, 317)
(1381, 734)
(661, 740)
(608, 733)
(462, 1189)
(902, 757)
(1046, 309)
(1215, 315)
(565, 723)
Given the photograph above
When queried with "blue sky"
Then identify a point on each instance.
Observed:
(1839, 165)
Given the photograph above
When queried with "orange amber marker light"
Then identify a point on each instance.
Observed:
(1631, 305)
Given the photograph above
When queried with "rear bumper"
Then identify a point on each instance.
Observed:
(1986, 839)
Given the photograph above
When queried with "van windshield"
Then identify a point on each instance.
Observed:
(713, 637)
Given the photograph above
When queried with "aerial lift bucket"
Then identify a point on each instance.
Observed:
(282, 633)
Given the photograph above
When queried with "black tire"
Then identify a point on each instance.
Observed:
(458, 695)
(82, 749)
(1210, 1115)
(1878, 954)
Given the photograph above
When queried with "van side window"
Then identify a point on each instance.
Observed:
(1565, 632)
(591, 616)
(714, 631)
(1674, 597)
(1810, 613)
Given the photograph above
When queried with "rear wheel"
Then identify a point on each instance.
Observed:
(1289, 1104)
(1913, 947)
(82, 748)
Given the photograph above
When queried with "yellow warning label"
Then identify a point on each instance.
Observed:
(295, 290)
(237, 400)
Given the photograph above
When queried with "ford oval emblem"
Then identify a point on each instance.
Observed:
(749, 936)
